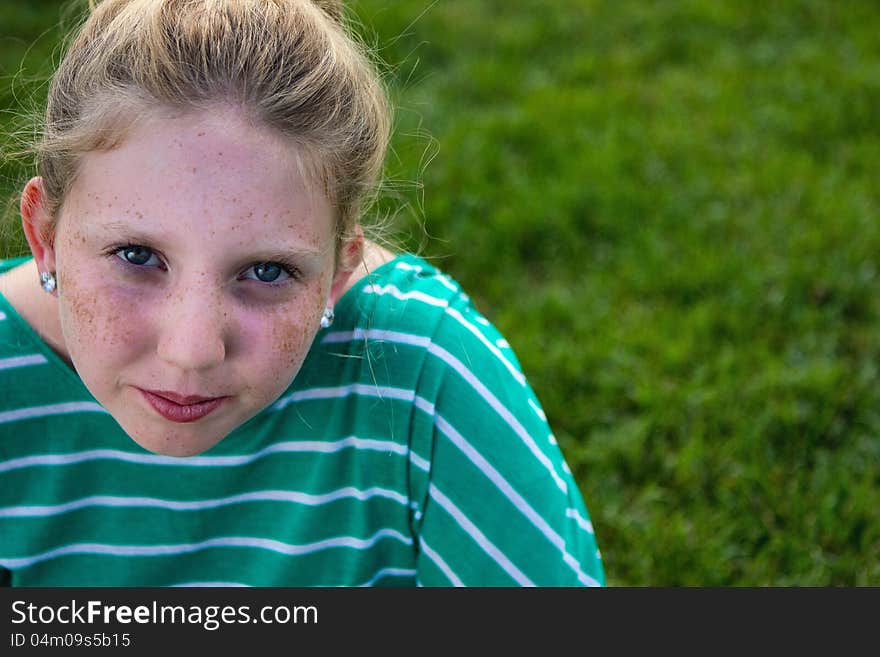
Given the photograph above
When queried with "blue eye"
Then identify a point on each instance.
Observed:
(138, 255)
(268, 272)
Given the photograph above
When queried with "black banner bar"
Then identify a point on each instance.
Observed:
(272, 620)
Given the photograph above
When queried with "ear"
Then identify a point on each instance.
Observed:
(351, 255)
(39, 229)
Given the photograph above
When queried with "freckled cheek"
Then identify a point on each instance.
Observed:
(291, 341)
(100, 322)
(279, 343)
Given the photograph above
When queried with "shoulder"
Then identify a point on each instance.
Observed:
(412, 326)
(408, 324)
(410, 330)
(409, 284)
(410, 300)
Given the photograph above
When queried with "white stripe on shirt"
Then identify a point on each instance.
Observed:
(22, 361)
(500, 409)
(198, 505)
(378, 335)
(326, 447)
(344, 391)
(438, 561)
(220, 542)
(515, 498)
(405, 296)
(466, 374)
(440, 278)
(387, 572)
(455, 314)
(538, 411)
(216, 585)
(474, 532)
(51, 409)
(582, 522)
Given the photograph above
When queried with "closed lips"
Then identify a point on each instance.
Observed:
(183, 400)
(174, 410)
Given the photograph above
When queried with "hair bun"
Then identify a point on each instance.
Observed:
(333, 8)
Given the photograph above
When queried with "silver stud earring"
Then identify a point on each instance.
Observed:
(48, 281)
(327, 317)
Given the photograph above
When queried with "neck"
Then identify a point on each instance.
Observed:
(21, 287)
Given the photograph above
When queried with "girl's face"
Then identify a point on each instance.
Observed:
(194, 262)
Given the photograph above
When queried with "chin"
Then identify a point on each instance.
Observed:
(167, 438)
(175, 445)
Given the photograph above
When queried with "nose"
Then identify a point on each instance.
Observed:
(193, 329)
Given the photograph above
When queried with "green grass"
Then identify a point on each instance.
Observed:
(670, 209)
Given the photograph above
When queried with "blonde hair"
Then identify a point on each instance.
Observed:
(292, 65)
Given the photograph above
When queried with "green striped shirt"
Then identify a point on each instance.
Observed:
(409, 450)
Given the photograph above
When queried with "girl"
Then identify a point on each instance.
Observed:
(210, 377)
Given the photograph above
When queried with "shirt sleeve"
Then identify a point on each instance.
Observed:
(494, 503)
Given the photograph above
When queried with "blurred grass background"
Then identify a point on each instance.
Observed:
(670, 209)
